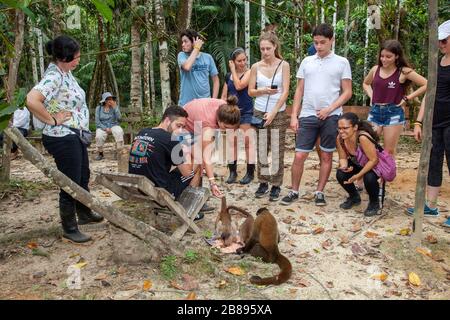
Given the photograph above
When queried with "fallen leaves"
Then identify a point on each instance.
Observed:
(431, 239)
(327, 244)
(405, 232)
(414, 279)
(424, 251)
(191, 296)
(32, 245)
(222, 284)
(147, 285)
(380, 276)
(356, 227)
(370, 234)
(80, 265)
(329, 284)
(288, 219)
(303, 283)
(101, 276)
(318, 230)
(237, 271)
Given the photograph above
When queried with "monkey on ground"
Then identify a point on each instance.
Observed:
(263, 243)
(227, 231)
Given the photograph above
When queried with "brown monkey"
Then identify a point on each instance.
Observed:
(227, 232)
(264, 243)
(245, 230)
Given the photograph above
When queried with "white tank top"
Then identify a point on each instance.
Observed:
(261, 82)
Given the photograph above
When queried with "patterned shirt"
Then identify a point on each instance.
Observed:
(62, 92)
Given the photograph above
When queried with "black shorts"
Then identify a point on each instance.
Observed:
(310, 128)
(177, 183)
(440, 147)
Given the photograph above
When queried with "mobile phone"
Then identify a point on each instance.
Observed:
(274, 86)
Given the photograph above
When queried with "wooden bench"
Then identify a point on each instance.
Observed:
(140, 188)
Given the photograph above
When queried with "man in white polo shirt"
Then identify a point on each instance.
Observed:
(324, 83)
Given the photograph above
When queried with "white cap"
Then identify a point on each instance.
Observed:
(444, 30)
(105, 96)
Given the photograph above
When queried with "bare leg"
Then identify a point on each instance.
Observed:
(325, 169)
(391, 136)
(297, 169)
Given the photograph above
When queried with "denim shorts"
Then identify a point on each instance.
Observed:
(310, 128)
(246, 118)
(386, 115)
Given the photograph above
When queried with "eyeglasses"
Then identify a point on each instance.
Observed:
(443, 41)
(343, 128)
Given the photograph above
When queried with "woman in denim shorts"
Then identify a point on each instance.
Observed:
(386, 86)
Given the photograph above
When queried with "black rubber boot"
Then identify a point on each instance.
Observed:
(233, 172)
(249, 176)
(70, 227)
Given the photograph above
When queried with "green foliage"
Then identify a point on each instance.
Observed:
(29, 190)
(6, 109)
(104, 7)
(168, 266)
(190, 256)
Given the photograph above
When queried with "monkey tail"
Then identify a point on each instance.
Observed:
(283, 276)
(244, 212)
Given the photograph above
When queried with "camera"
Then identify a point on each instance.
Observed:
(274, 86)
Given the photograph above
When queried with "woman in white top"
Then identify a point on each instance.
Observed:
(269, 84)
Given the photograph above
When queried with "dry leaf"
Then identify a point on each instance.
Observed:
(380, 276)
(356, 227)
(302, 218)
(344, 240)
(327, 244)
(293, 291)
(147, 285)
(405, 232)
(431, 239)
(304, 255)
(290, 210)
(318, 230)
(437, 258)
(191, 296)
(288, 219)
(189, 283)
(292, 243)
(370, 234)
(303, 283)
(318, 213)
(237, 271)
(100, 276)
(424, 251)
(175, 285)
(32, 245)
(414, 279)
(329, 284)
(80, 265)
(222, 284)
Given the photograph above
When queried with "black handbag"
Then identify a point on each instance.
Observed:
(84, 135)
(259, 122)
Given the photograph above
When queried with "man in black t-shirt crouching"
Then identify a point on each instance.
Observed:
(155, 150)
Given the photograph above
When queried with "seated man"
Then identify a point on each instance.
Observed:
(107, 118)
(155, 150)
(21, 121)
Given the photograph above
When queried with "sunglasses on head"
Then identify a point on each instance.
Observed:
(443, 41)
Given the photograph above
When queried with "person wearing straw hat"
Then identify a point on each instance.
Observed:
(107, 121)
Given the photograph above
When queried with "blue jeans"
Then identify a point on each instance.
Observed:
(386, 115)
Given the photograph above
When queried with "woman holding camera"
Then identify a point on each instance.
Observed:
(269, 84)
(59, 102)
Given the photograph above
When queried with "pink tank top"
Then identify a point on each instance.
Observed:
(202, 112)
(388, 90)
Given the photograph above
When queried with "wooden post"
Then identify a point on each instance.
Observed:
(143, 231)
(427, 123)
(6, 160)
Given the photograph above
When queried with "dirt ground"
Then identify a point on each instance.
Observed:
(334, 254)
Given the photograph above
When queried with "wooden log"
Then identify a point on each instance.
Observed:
(138, 228)
(5, 169)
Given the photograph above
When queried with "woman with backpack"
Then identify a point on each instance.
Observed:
(357, 145)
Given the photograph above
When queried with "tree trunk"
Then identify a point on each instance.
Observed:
(397, 19)
(366, 54)
(247, 31)
(263, 14)
(33, 54)
(184, 14)
(236, 26)
(99, 79)
(347, 15)
(322, 11)
(113, 79)
(422, 173)
(114, 215)
(163, 55)
(56, 17)
(149, 76)
(298, 26)
(334, 24)
(41, 52)
(14, 62)
(316, 12)
(136, 73)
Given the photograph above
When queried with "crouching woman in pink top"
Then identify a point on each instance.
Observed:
(206, 115)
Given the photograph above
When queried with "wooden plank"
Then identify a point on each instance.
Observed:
(201, 195)
(119, 190)
(121, 177)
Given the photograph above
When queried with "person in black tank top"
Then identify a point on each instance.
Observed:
(441, 127)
